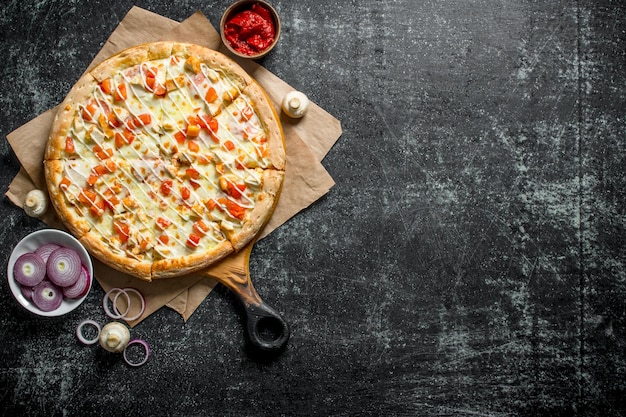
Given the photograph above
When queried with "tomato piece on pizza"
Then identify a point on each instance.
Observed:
(186, 239)
(243, 204)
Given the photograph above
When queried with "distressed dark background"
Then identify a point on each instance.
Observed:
(469, 261)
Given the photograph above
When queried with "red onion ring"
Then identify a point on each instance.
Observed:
(80, 287)
(105, 303)
(46, 249)
(141, 310)
(116, 314)
(79, 332)
(64, 267)
(121, 291)
(29, 269)
(47, 296)
(27, 292)
(146, 348)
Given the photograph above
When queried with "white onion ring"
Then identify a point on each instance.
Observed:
(143, 304)
(146, 348)
(105, 304)
(79, 332)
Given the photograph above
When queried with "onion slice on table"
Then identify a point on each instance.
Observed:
(115, 313)
(82, 338)
(46, 249)
(64, 266)
(141, 299)
(47, 296)
(80, 287)
(29, 269)
(144, 344)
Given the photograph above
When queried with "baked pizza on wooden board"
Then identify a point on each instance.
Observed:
(164, 159)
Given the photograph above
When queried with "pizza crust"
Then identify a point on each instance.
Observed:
(118, 260)
(65, 210)
(214, 60)
(62, 123)
(171, 268)
(257, 218)
(125, 59)
(159, 50)
(269, 118)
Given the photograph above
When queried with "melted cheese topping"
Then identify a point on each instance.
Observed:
(163, 161)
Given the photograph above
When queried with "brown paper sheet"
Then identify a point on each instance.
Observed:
(308, 140)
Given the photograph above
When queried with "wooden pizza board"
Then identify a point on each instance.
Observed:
(266, 329)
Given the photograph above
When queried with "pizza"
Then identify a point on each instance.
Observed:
(164, 159)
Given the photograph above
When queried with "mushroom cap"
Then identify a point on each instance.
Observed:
(114, 337)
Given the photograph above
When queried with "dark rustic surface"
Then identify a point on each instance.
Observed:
(469, 261)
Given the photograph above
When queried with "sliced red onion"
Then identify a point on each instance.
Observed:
(45, 250)
(144, 344)
(141, 310)
(82, 338)
(114, 312)
(47, 296)
(29, 269)
(64, 266)
(105, 303)
(27, 292)
(80, 287)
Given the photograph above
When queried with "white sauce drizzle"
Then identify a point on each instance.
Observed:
(140, 182)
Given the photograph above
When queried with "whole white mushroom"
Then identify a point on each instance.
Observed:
(36, 203)
(114, 337)
(295, 104)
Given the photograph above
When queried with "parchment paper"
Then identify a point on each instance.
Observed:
(308, 140)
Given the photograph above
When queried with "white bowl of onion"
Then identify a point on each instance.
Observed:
(50, 273)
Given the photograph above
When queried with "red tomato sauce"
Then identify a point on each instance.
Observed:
(250, 31)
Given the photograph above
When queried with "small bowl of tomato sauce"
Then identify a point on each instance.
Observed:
(250, 28)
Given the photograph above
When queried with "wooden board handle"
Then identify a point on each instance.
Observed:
(266, 329)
